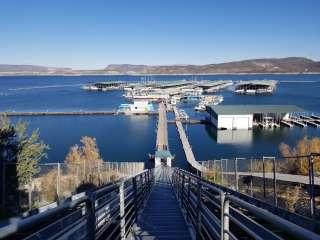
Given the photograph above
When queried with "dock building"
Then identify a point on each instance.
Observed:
(256, 87)
(246, 116)
(104, 86)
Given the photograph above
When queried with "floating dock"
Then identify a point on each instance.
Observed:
(315, 117)
(298, 122)
(186, 145)
(286, 123)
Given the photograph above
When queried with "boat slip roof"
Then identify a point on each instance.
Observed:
(252, 109)
(258, 82)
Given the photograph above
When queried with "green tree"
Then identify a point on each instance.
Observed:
(30, 151)
(19, 157)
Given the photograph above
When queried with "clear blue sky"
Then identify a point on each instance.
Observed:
(94, 33)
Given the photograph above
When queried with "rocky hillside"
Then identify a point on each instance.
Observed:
(30, 69)
(266, 65)
(270, 65)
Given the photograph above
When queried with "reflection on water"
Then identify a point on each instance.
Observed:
(234, 136)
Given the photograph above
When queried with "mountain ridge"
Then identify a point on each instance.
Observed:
(248, 66)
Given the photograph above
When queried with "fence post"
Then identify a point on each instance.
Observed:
(221, 171)
(275, 197)
(264, 178)
(122, 218)
(214, 171)
(30, 194)
(236, 174)
(58, 180)
(99, 175)
(199, 208)
(311, 185)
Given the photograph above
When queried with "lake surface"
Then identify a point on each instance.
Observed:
(131, 138)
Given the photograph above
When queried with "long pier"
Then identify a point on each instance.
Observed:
(162, 132)
(185, 144)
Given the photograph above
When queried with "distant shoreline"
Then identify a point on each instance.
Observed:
(141, 74)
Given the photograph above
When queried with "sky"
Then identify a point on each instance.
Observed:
(84, 34)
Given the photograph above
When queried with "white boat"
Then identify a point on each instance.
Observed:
(183, 115)
(137, 107)
(251, 91)
(209, 100)
(90, 87)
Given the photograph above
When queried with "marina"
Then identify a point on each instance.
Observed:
(100, 103)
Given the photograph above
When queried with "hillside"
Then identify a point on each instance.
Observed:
(30, 69)
(271, 65)
(265, 65)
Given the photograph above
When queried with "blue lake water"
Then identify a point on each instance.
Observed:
(131, 138)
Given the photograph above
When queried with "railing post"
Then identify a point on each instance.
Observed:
(199, 209)
(91, 223)
(134, 185)
(122, 207)
(236, 174)
(182, 189)
(188, 198)
(311, 185)
(251, 179)
(264, 178)
(275, 197)
(224, 235)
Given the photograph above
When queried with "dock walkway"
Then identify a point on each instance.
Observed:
(162, 132)
(162, 217)
(186, 145)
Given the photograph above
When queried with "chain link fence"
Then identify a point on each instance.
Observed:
(291, 183)
(55, 182)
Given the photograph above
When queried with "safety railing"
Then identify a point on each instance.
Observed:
(213, 213)
(289, 183)
(106, 213)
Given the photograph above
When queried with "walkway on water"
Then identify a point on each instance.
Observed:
(162, 132)
(162, 217)
(185, 143)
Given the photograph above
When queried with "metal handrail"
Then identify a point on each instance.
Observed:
(109, 211)
(210, 211)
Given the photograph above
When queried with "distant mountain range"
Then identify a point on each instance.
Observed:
(265, 65)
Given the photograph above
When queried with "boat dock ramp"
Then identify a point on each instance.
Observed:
(185, 143)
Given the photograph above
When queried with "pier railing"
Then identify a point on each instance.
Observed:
(105, 213)
(291, 183)
(214, 213)
(55, 182)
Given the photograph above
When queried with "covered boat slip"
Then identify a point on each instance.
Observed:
(246, 116)
(255, 87)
